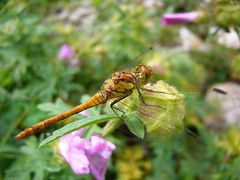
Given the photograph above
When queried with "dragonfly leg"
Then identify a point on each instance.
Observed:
(150, 90)
(143, 101)
(115, 109)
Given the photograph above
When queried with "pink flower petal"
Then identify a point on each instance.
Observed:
(158, 69)
(98, 154)
(66, 52)
(86, 156)
(74, 63)
(79, 161)
(66, 141)
(80, 143)
(101, 147)
(85, 113)
(98, 167)
(179, 18)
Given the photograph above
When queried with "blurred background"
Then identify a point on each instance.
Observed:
(54, 53)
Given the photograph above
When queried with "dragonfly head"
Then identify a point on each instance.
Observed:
(143, 73)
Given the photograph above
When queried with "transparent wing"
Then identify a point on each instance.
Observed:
(164, 126)
(190, 78)
(161, 122)
(137, 60)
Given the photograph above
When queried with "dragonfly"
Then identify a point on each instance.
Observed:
(117, 87)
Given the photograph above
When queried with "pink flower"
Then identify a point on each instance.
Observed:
(158, 69)
(85, 113)
(86, 156)
(98, 154)
(71, 147)
(66, 52)
(179, 18)
(74, 62)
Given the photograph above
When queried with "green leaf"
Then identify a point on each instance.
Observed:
(77, 125)
(134, 124)
(54, 108)
(90, 131)
(32, 162)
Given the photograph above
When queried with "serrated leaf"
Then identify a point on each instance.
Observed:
(134, 124)
(77, 125)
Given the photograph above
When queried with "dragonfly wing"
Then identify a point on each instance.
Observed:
(124, 109)
(163, 126)
(189, 78)
(158, 126)
(145, 54)
(157, 121)
(165, 123)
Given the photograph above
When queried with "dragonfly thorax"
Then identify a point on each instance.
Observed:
(142, 73)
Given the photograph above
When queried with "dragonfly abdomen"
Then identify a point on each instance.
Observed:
(93, 101)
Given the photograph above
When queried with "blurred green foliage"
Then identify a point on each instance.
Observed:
(33, 79)
(227, 13)
(235, 68)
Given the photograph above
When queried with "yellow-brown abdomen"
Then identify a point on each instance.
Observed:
(93, 101)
